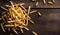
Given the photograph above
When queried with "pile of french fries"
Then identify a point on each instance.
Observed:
(16, 18)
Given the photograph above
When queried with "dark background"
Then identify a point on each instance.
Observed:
(46, 24)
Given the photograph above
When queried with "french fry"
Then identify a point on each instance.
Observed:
(14, 30)
(51, 3)
(29, 10)
(27, 15)
(8, 25)
(33, 0)
(34, 33)
(26, 28)
(21, 4)
(12, 4)
(44, 1)
(8, 29)
(10, 21)
(2, 27)
(3, 19)
(22, 30)
(21, 26)
(33, 11)
(31, 21)
(4, 12)
(37, 4)
(4, 8)
(7, 5)
(39, 13)
(23, 8)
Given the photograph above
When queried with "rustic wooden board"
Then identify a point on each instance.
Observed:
(32, 4)
(43, 25)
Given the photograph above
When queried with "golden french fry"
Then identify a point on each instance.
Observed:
(28, 10)
(21, 26)
(4, 8)
(10, 21)
(26, 28)
(39, 13)
(34, 33)
(51, 3)
(3, 19)
(9, 25)
(14, 30)
(31, 21)
(8, 29)
(27, 15)
(12, 4)
(4, 12)
(22, 4)
(34, 0)
(2, 27)
(7, 5)
(33, 11)
(44, 1)
(37, 4)
(23, 8)
(22, 30)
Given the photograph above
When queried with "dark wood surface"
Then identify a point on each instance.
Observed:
(32, 4)
(47, 24)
